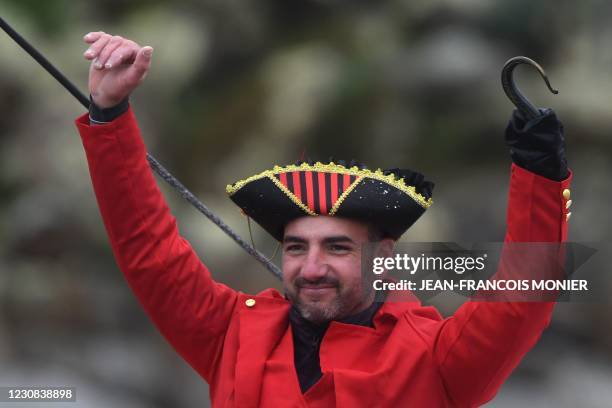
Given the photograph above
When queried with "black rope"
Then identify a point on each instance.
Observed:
(193, 200)
(155, 165)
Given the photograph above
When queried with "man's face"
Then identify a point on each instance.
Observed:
(322, 267)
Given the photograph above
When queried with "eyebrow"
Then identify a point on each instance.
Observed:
(337, 239)
(293, 238)
(327, 240)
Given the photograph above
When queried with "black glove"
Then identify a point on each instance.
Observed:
(538, 145)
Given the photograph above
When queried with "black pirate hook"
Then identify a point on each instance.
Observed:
(526, 108)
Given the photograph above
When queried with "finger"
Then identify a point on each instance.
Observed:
(95, 48)
(125, 54)
(114, 43)
(141, 65)
(92, 36)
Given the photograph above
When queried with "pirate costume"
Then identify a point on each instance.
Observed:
(255, 350)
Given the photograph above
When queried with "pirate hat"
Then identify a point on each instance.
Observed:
(392, 200)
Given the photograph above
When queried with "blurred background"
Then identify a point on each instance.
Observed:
(239, 86)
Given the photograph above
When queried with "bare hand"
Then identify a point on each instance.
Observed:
(118, 66)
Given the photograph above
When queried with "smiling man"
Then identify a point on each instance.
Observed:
(322, 267)
(326, 342)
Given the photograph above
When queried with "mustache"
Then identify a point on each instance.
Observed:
(301, 282)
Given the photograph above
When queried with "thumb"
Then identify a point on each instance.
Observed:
(141, 64)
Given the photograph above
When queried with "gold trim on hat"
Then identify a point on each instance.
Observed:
(291, 196)
(332, 168)
(344, 195)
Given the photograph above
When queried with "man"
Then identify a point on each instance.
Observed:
(326, 342)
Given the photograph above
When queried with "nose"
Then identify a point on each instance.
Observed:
(315, 266)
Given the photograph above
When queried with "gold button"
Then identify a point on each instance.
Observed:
(566, 193)
(568, 204)
(567, 217)
(250, 302)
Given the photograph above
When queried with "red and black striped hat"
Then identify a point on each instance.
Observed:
(391, 199)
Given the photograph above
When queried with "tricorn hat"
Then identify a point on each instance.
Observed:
(392, 200)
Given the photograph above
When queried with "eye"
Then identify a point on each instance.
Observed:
(294, 249)
(339, 249)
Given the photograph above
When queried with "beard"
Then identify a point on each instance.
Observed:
(320, 310)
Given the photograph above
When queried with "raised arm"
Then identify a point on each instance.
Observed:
(481, 344)
(174, 287)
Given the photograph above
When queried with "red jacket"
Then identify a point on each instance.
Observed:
(412, 356)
